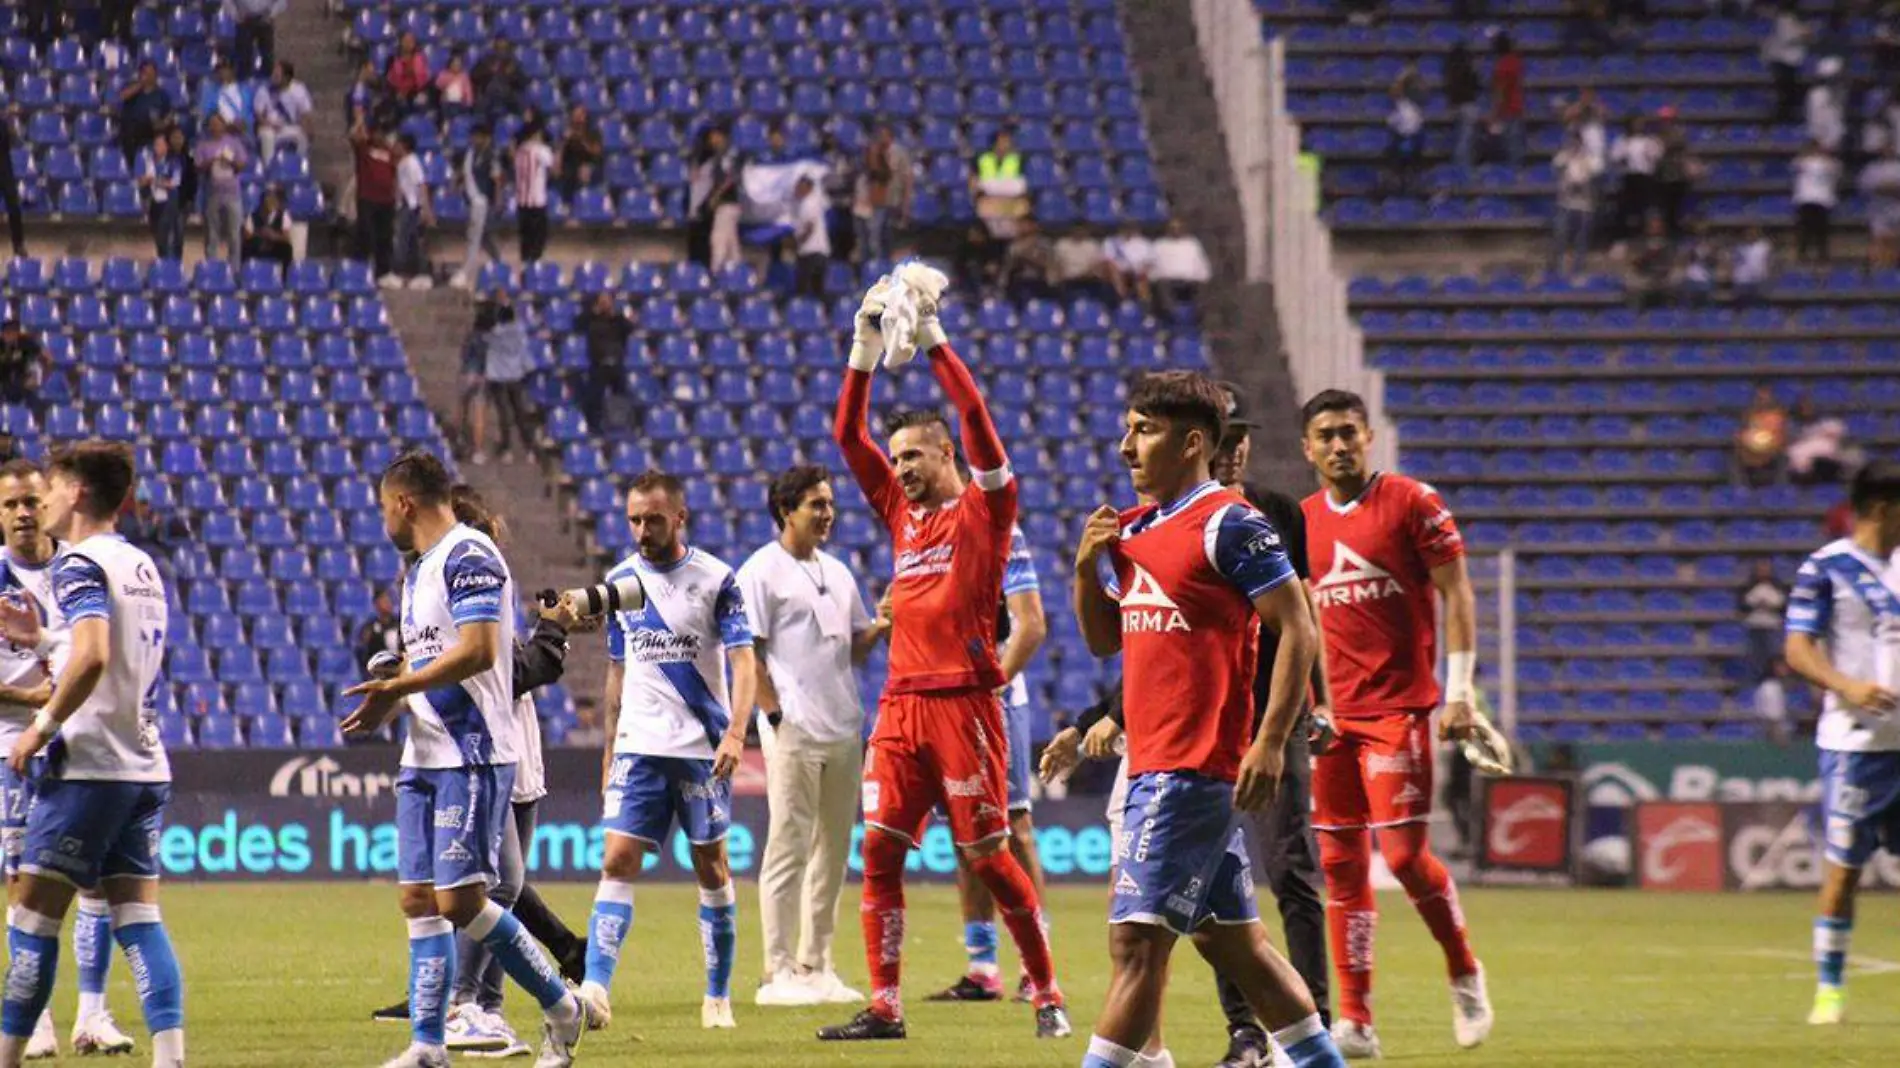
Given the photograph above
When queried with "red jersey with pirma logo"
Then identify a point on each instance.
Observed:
(1371, 561)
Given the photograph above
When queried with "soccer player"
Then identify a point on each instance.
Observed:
(26, 683)
(810, 628)
(1021, 628)
(458, 765)
(1843, 615)
(1378, 545)
(1179, 590)
(677, 739)
(940, 736)
(103, 783)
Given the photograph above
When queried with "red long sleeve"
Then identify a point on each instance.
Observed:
(980, 441)
(851, 430)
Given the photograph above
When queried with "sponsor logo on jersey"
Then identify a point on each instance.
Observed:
(1681, 847)
(1147, 608)
(914, 563)
(662, 646)
(1354, 580)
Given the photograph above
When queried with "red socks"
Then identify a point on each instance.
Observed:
(1433, 894)
(1015, 898)
(1352, 915)
(882, 914)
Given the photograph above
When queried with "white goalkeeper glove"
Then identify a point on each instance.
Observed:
(1487, 748)
(867, 339)
(910, 314)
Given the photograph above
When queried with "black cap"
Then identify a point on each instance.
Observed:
(1236, 407)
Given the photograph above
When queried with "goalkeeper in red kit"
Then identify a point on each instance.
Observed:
(940, 738)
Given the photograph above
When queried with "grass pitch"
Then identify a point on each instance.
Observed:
(286, 974)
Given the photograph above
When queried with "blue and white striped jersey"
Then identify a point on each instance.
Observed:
(113, 736)
(673, 697)
(461, 580)
(1849, 599)
(20, 668)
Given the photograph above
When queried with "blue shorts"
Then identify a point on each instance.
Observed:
(82, 830)
(1860, 805)
(1182, 859)
(646, 794)
(16, 799)
(449, 823)
(1016, 724)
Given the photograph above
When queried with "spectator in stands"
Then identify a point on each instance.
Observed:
(281, 107)
(506, 371)
(1880, 184)
(1576, 172)
(581, 153)
(1703, 265)
(24, 367)
(1817, 177)
(1405, 139)
(222, 158)
(1761, 439)
(408, 74)
(1081, 267)
(1584, 118)
(187, 184)
(1463, 87)
(1128, 259)
(1764, 606)
(161, 177)
(144, 109)
(454, 89)
(1029, 262)
(607, 330)
(1754, 266)
(484, 178)
(1507, 97)
(10, 187)
(415, 214)
(721, 207)
(267, 233)
(1001, 191)
(1677, 172)
(811, 237)
(255, 45)
(534, 166)
(1181, 269)
(1636, 153)
(500, 83)
(471, 426)
(1820, 453)
(889, 186)
(843, 190)
(1590, 29)
(381, 633)
(224, 96)
(1827, 105)
(1651, 271)
(375, 201)
(1785, 49)
(368, 101)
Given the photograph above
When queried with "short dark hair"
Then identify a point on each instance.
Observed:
(915, 417)
(471, 510)
(105, 468)
(1332, 400)
(791, 486)
(20, 467)
(290, 69)
(1876, 483)
(651, 479)
(1186, 397)
(422, 475)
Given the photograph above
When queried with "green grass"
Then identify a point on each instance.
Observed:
(286, 975)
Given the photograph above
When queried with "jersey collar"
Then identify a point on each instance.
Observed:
(1349, 506)
(650, 567)
(1179, 504)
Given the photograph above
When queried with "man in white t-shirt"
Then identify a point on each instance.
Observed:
(1180, 267)
(1130, 258)
(811, 626)
(414, 215)
(813, 240)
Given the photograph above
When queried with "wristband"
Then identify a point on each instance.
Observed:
(930, 334)
(1461, 669)
(45, 646)
(863, 357)
(44, 722)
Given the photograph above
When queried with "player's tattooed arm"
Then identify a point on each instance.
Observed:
(1095, 611)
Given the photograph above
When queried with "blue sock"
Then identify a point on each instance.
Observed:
(1105, 1054)
(33, 958)
(148, 952)
(1309, 1045)
(1830, 948)
(431, 969)
(979, 941)
(719, 935)
(606, 929)
(92, 945)
(524, 962)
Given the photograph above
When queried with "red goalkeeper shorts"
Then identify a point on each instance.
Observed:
(1378, 773)
(932, 749)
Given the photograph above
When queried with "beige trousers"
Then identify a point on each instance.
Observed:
(813, 789)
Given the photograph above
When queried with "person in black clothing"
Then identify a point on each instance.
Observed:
(1464, 91)
(10, 187)
(382, 634)
(1280, 838)
(267, 234)
(607, 330)
(24, 365)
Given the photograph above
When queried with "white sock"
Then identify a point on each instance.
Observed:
(1163, 1059)
(91, 1004)
(168, 1049)
(1103, 1049)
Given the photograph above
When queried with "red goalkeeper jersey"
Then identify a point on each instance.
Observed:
(1371, 561)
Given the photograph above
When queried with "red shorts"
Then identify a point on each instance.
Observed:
(1377, 774)
(934, 749)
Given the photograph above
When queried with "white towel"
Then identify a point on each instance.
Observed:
(915, 289)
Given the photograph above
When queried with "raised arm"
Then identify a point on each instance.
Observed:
(1096, 611)
(850, 427)
(989, 464)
